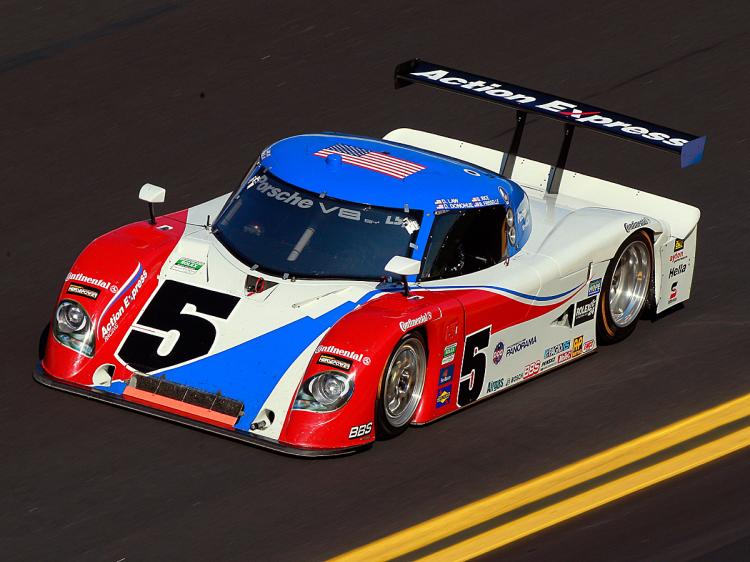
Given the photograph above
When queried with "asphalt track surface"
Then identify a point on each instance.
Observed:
(96, 100)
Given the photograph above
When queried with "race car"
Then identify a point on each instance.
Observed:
(350, 287)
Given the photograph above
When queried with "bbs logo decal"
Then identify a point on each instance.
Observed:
(585, 311)
(360, 430)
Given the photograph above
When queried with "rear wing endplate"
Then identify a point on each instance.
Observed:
(571, 113)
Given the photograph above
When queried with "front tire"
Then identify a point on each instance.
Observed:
(626, 289)
(402, 385)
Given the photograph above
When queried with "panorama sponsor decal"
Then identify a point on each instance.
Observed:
(577, 348)
(595, 287)
(414, 322)
(555, 349)
(679, 244)
(84, 291)
(563, 357)
(129, 293)
(497, 355)
(333, 350)
(92, 281)
(446, 375)
(585, 311)
(520, 345)
(333, 361)
(494, 386)
(532, 369)
(449, 353)
(635, 225)
(521, 97)
(443, 396)
(673, 293)
(677, 270)
(187, 265)
(360, 430)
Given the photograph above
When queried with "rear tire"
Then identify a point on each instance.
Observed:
(402, 385)
(626, 289)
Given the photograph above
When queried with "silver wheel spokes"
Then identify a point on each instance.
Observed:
(404, 382)
(629, 285)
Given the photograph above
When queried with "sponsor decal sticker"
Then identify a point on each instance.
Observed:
(677, 270)
(443, 396)
(585, 311)
(679, 244)
(531, 370)
(673, 293)
(635, 225)
(446, 375)
(595, 287)
(92, 281)
(413, 322)
(453, 203)
(548, 363)
(333, 350)
(521, 97)
(129, 293)
(449, 353)
(497, 355)
(83, 290)
(588, 346)
(520, 345)
(494, 386)
(333, 361)
(678, 256)
(577, 346)
(555, 349)
(187, 265)
(360, 430)
(515, 379)
(563, 357)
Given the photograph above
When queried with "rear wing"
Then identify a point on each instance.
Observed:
(572, 113)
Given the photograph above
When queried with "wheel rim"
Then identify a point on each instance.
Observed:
(629, 284)
(404, 382)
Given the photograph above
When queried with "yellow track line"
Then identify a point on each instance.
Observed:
(534, 522)
(477, 512)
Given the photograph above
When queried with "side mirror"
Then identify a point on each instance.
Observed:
(403, 266)
(151, 194)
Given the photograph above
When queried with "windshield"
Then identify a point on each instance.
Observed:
(283, 229)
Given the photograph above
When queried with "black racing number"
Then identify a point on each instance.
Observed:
(473, 366)
(164, 312)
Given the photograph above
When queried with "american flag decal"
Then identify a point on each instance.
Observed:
(375, 161)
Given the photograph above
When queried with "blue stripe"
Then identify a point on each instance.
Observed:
(503, 290)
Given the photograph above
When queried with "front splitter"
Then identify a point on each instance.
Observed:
(44, 378)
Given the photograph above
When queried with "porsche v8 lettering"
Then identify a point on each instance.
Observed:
(333, 361)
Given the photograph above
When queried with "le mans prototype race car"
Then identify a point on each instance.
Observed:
(351, 286)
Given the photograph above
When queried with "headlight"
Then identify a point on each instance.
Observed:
(72, 327)
(510, 224)
(324, 392)
(70, 317)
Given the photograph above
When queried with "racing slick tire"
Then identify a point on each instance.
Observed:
(401, 386)
(626, 289)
